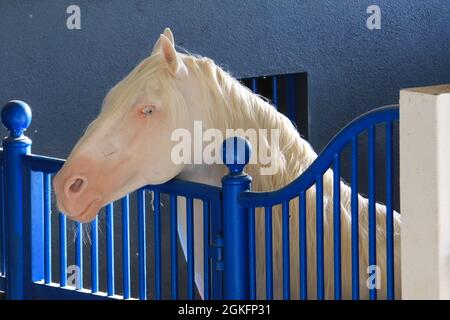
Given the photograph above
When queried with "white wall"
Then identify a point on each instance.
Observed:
(425, 192)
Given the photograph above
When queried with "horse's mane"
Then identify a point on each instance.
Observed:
(232, 105)
(229, 105)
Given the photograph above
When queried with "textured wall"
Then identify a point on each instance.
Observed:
(65, 74)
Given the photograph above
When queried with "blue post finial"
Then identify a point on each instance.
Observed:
(16, 117)
(236, 153)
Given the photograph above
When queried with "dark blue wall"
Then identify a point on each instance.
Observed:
(65, 74)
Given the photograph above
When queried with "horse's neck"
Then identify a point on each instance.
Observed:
(297, 158)
(204, 173)
(293, 154)
(251, 112)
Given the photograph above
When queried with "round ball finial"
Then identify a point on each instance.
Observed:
(236, 154)
(16, 117)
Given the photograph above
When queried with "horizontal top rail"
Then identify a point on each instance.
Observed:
(322, 162)
(43, 163)
(174, 186)
(186, 189)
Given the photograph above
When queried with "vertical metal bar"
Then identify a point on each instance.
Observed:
(286, 251)
(236, 283)
(303, 247)
(252, 252)
(319, 239)
(126, 246)
(389, 213)
(269, 253)
(337, 227)
(16, 117)
(217, 263)
(2, 223)
(157, 220)
(254, 85)
(190, 248)
(125, 204)
(34, 224)
(355, 220)
(63, 249)
(110, 290)
(94, 255)
(372, 212)
(142, 246)
(275, 91)
(206, 246)
(173, 246)
(79, 254)
(47, 230)
(291, 99)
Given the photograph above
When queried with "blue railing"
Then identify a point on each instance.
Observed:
(2, 227)
(330, 157)
(26, 257)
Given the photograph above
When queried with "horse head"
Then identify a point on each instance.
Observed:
(129, 144)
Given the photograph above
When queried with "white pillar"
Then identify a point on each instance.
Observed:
(425, 192)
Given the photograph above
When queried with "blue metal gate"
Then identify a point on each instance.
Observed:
(229, 264)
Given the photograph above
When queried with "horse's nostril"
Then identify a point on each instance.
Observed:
(76, 185)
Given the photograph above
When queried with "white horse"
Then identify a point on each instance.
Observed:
(129, 145)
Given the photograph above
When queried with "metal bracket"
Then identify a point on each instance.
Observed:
(216, 252)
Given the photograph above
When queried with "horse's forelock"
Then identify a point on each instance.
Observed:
(139, 81)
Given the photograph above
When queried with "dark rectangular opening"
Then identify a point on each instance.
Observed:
(288, 93)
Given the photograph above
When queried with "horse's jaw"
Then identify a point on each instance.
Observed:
(204, 173)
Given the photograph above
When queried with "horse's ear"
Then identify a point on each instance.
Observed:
(168, 33)
(156, 46)
(168, 49)
(176, 65)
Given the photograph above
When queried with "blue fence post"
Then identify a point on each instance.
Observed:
(16, 117)
(236, 282)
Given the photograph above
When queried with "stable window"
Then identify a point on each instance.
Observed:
(288, 93)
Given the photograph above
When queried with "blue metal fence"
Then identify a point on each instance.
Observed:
(228, 219)
(330, 157)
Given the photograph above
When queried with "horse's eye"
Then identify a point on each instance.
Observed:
(147, 110)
